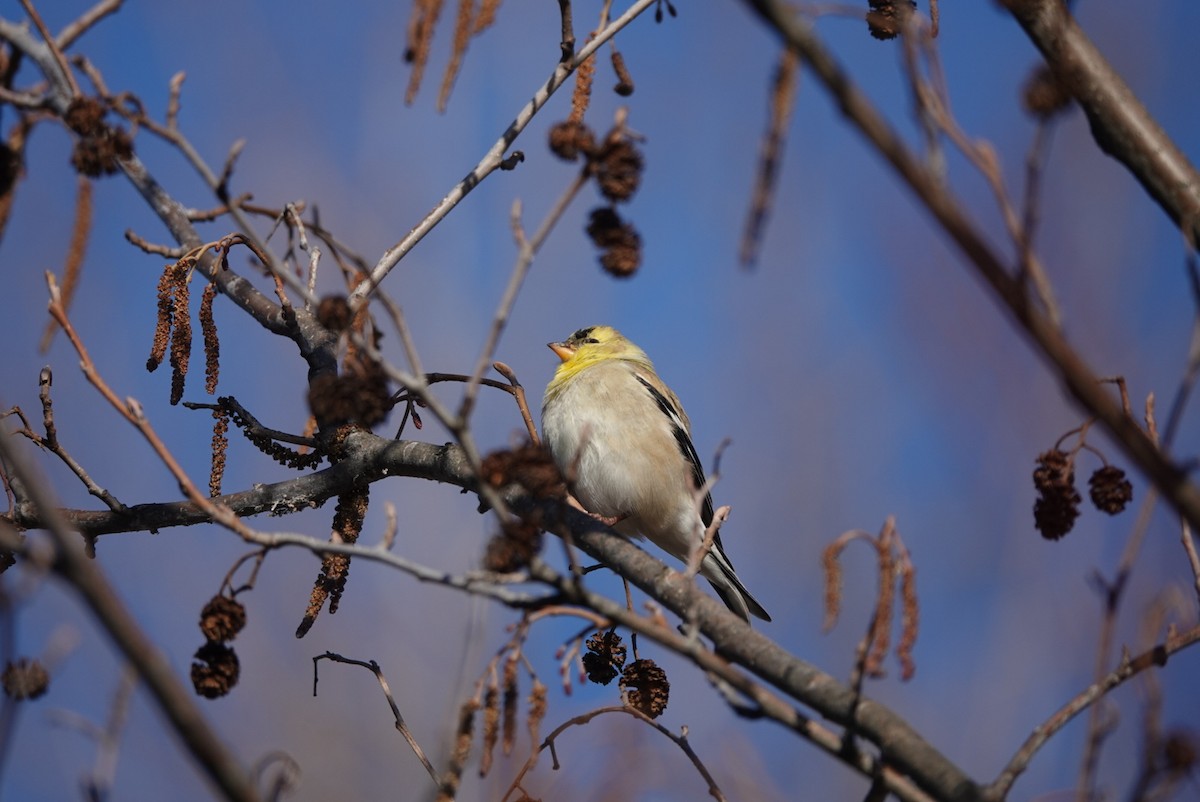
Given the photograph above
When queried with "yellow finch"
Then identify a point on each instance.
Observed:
(622, 437)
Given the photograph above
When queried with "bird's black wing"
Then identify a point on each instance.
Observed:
(685, 447)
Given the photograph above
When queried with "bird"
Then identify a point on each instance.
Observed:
(621, 437)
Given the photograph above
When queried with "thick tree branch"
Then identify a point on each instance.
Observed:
(901, 747)
(1078, 378)
(368, 458)
(175, 701)
(1121, 125)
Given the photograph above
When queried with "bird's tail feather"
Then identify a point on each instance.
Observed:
(725, 582)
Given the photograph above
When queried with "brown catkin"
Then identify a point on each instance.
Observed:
(833, 584)
(220, 445)
(491, 729)
(510, 698)
(463, 26)
(462, 750)
(212, 346)
(783, 97)
(162, 325)
(624, 86)
(910, 618)
(582, 96)
(347, 525)
(73, 267)
(537, 711)
(486, 16)
(420, 37)
(881, 624)
(181, 333)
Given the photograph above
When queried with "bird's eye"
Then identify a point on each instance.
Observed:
(591, 341)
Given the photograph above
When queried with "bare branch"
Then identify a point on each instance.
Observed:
(176, 702)
(374, 668)
(493, 158)
(680, 740)
(528, 248)
(912, 766)
(1121, 125)
(80, 26)
(1086, 699)
(1078, 377)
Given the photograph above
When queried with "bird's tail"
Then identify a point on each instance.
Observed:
(719, 572)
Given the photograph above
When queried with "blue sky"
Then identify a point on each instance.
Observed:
(860, 370)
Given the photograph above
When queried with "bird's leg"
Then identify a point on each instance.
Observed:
(609, 521)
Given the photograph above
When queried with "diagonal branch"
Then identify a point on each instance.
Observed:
(492, 160)
(173, 700)
(947, 209)
(369, 458)
(1129, 668)
(315, 343)
(1121, 125)
(907, 758)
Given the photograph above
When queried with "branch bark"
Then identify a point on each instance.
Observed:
(370, 458)
(174, 701)
(315, 343)
(901, 747)
(1121, 125)
(1010, 291)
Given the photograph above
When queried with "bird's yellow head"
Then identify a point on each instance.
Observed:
(589, 346)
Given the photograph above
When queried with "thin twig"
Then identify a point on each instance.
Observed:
(522, 404)
(169, 251)
(567, 45)
(173, 700)
(68, 35)
(252, 428)
(104, 771)
(1009, 290)
(374, 668)
(51, 43)
(696, 559)
(782, 101)
(934, 105)
(527, 250)
(1086, 699)
(258, 556)
(493, 158)
(680, 740)
(51, 443)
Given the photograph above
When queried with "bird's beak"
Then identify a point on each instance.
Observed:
(561, 350)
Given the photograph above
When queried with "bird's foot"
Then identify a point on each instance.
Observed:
(604, 519)
(607, 520)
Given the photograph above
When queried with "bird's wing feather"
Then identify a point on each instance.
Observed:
(731, 591)
(680, 429)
